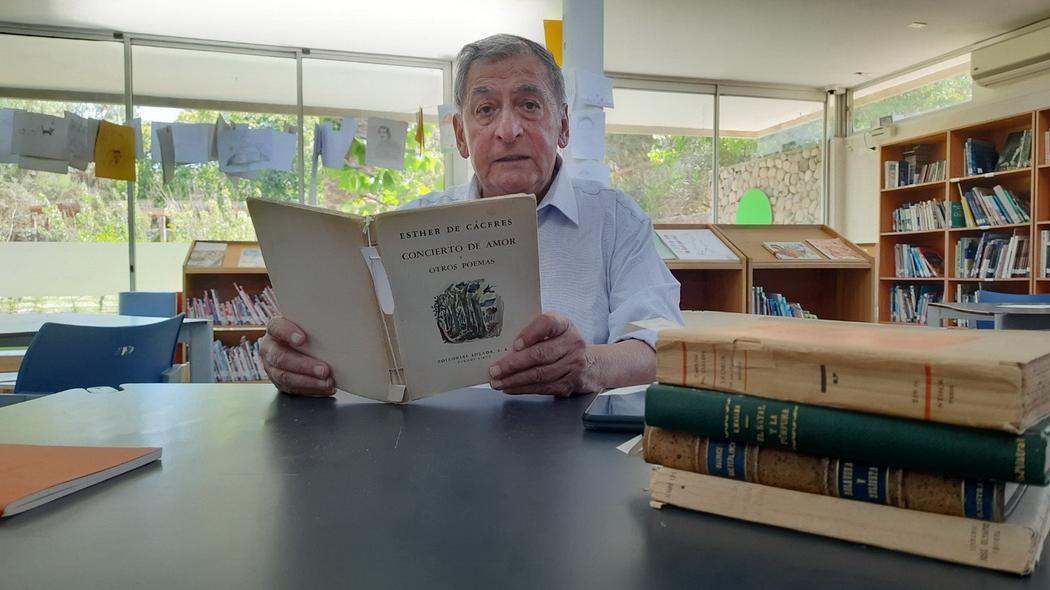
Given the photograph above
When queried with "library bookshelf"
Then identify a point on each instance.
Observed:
(831, 289)
(1028, 184)
(712, 285)
(1041, 157)
(196, 280)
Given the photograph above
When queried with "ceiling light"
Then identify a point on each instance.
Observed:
(917, 25)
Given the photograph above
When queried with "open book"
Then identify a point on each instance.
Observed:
(408, 303)
(31, 475)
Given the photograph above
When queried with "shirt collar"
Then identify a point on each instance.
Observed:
(560, 195)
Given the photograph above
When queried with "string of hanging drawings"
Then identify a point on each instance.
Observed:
(49, 143)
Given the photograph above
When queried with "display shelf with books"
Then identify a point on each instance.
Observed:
(810, 265)
(712, 272)
(226, 282)
(995, 189)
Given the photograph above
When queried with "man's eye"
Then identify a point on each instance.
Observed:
(485, 110)
(531, 105)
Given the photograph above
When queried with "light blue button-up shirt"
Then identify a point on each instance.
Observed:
(598, 264)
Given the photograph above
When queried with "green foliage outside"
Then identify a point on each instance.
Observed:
(938, 95)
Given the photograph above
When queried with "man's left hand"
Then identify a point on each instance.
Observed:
(550, 357)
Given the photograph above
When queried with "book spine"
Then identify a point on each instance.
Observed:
(881, 440)
(1012, 546)
(967, 394)
(827, 476)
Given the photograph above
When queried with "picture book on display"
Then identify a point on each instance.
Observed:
(791, 251)
(835, 249)
(692, 244)
(33, 475)
(408, 303)
(207, 254)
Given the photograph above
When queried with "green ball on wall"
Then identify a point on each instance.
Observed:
(754, 208)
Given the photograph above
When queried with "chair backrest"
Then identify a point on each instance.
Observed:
(154, 304)
(62, 356)
(997, 297)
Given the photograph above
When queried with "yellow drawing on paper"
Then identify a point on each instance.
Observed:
(115, 152)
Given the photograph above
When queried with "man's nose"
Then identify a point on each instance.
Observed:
(508, 126)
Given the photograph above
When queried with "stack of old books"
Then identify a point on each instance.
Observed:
(922, 440)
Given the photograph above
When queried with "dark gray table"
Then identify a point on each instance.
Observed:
(469, 489)
(1005, 316)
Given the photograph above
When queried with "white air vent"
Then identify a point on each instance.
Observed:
(1011, 59)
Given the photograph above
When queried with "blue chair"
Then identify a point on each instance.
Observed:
(63, 356)
(154, 304)
(997, 297)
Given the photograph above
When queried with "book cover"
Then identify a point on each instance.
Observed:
(830, 476)
(981, 378)
(873, 438)
(251, 258)
(407, 303)
(1012, 546)
(695, 244)
(32, 475)
(791, 251)
(207, 255)
(835, 249)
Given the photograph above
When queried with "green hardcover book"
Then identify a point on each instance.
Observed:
(958, 219)
(897, 442)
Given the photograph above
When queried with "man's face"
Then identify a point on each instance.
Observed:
(511, 126)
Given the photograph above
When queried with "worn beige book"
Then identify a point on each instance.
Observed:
(982, 378)
(1012, 546)
(409, 303)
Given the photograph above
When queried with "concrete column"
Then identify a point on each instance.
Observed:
(583, 49)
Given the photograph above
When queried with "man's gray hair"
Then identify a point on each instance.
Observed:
(501, 47)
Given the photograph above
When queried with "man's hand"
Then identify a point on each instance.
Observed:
(290, 370)
(549, 357)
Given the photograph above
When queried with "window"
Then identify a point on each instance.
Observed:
(660, 150)
(925, 90)
(336, 89)
(773, 145)
(63, 242)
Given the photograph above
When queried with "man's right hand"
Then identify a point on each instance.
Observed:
(290, 370)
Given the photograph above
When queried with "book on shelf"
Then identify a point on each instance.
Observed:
(910, 303)
(979, 378)
(1012, 546)
(991, 207)
(922, 216)
(207, 255)
(906, 443)
(243, 310)
(1044, 236)
(901, 173)
(791, 251)
(699, 244)
(979, 157)
(981, 499)
(1017, 151)
(32, 475)
(242, 362)
(251, 258)
(917, 261)
(834, 249)
(776, 304)
(992, 256)
(408, 303)
(1046, 146)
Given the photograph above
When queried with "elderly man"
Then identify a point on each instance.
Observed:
(599, 269)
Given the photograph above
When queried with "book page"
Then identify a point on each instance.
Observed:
(696, 244)
(465, 281)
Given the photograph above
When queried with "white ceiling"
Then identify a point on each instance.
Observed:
(810, 42)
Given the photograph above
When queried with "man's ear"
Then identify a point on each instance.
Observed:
(461, 136)
(563, 131)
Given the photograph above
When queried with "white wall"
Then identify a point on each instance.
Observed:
(857, 202)
(39, 269)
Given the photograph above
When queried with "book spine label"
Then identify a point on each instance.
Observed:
(962, 394)
(881, 440)
(826, 476)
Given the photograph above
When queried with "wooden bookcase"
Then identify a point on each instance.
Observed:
(1041, 198)
(710, 285)
(949, 145)
(198, 279)
(831, 289)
